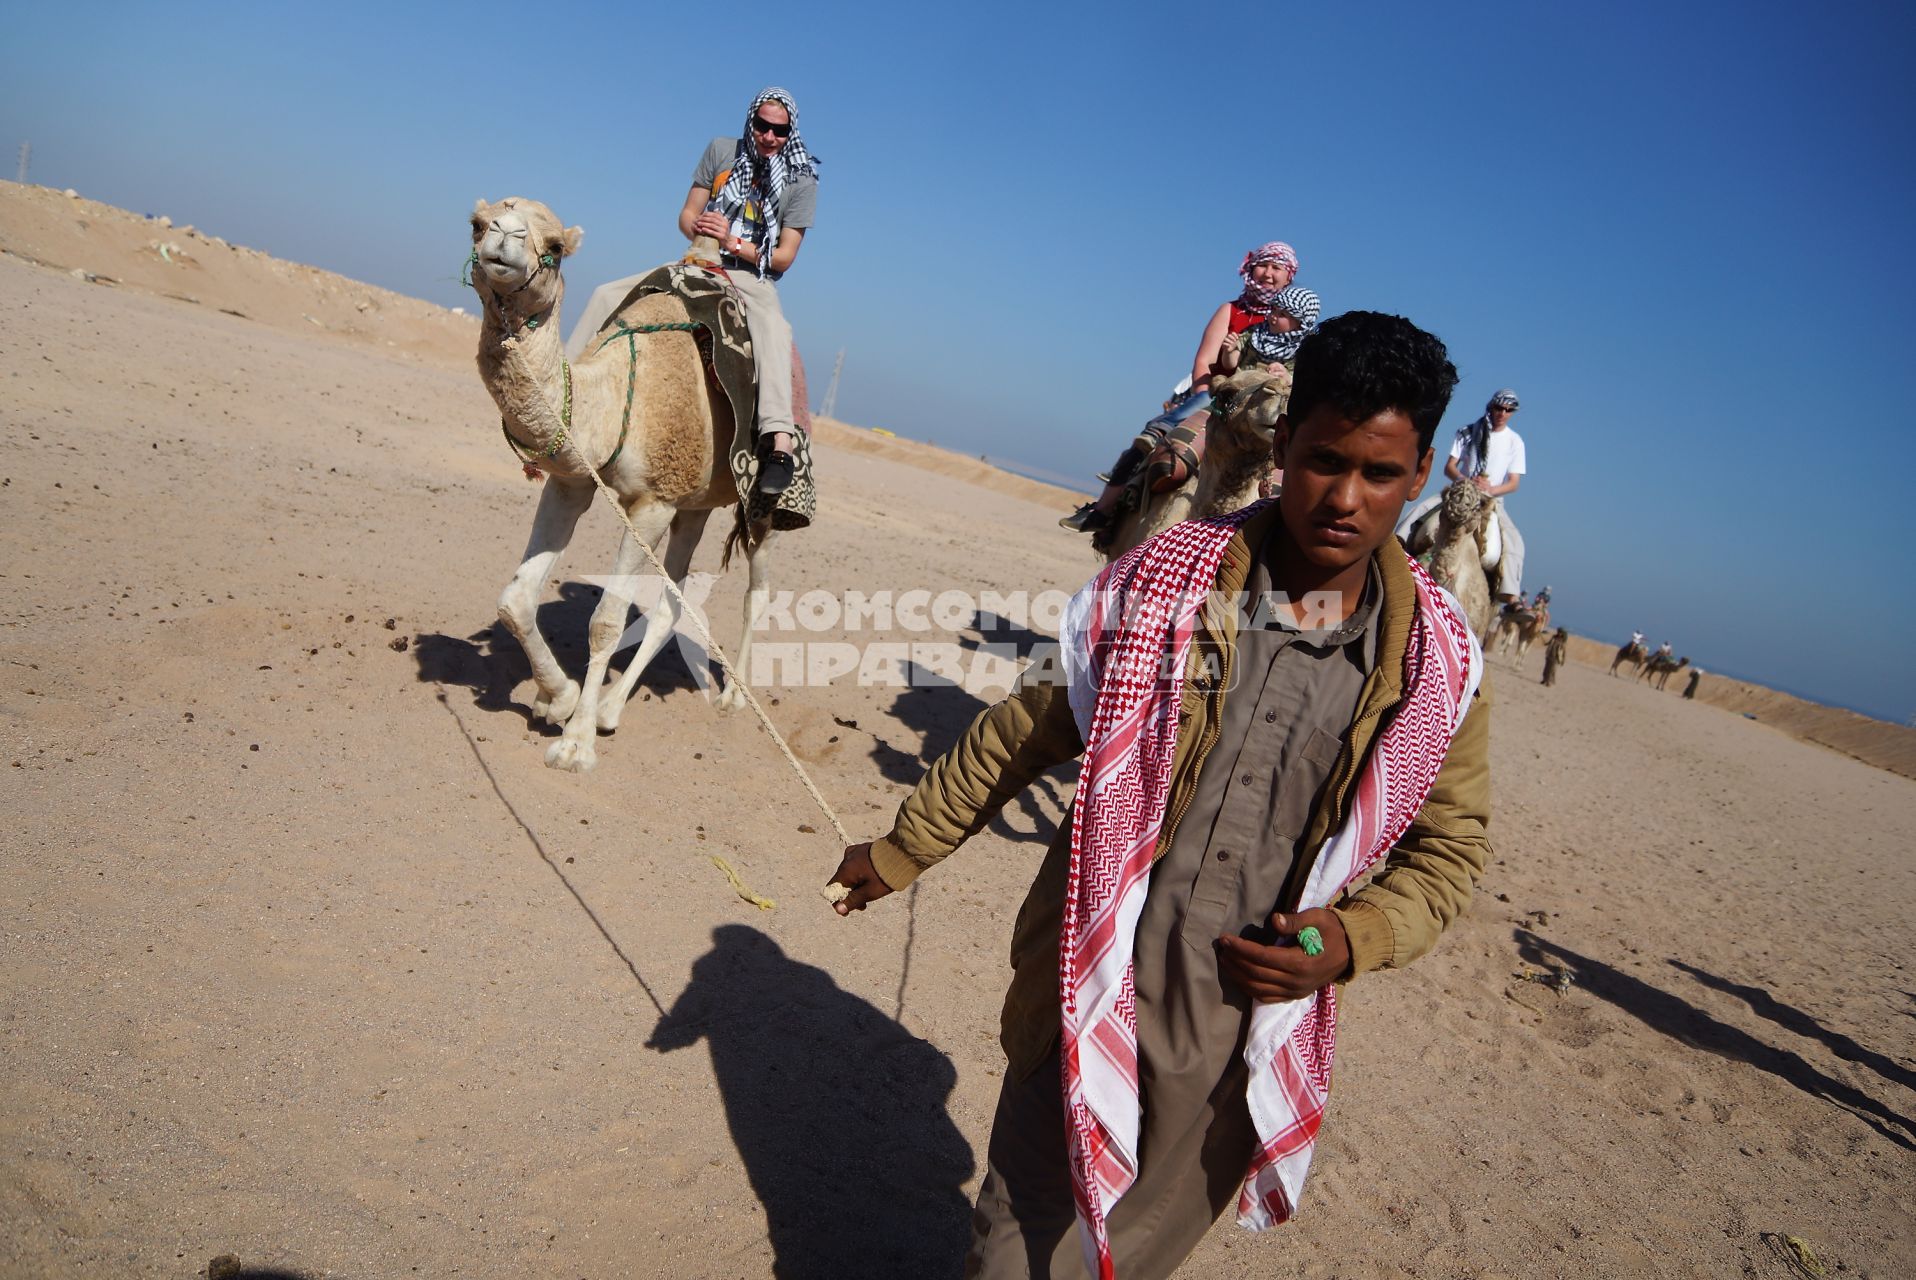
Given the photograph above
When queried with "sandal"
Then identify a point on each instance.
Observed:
(1086, 519)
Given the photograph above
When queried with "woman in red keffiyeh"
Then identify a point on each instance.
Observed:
(1172, 444)
(1271, 706)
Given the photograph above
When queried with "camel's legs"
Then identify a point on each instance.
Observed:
(574, 751)
(560, 507)
(758, 594)
(681, 541)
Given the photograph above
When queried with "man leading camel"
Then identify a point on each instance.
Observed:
(1244, 764)
(756, 195)
(1490, 452)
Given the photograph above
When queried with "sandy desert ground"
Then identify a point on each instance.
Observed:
(308, 960)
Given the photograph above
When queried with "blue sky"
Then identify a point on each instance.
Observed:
(1681, 232)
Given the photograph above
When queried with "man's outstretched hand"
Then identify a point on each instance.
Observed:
(856, 874)
(1284, 972)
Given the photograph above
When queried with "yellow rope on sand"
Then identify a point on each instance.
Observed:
(1796, 1252)
(738, 885)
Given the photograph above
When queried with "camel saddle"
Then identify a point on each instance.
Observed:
(726, 343)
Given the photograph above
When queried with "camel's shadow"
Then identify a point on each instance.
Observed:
(1684, 1022)
(938, 710)
(837, 1112)
(491, 663)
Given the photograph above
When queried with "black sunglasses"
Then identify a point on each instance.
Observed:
(761, 125)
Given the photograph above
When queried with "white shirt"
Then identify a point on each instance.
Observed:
(1503, 454)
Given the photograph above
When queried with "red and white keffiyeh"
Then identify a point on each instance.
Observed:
(1125, 640)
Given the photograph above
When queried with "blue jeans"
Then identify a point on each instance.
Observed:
(1183, 407)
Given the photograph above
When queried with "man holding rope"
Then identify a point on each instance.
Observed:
(1171, 1013)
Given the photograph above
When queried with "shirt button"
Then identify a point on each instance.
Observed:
(1270, 717)
(1223, 856)
(1246, 779)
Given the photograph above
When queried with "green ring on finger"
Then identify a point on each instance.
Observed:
(1311, 940)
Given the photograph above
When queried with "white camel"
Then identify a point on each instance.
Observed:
(665, 459)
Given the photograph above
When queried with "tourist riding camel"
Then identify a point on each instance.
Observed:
(1660, 668)
(1490, 452)
(1239, 432)
(667, 462)
(755, 195)
(1519, 625)
(1168, 451)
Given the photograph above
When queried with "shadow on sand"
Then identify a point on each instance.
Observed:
(837, 1112)
(491, 663)
(1790, 1018)
(1684, 1022)
(939, 710)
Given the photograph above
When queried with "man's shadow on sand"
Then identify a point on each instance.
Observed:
(1684, 1022)
(491, 663)
(837, 1112)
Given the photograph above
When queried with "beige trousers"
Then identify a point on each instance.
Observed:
(771, 339)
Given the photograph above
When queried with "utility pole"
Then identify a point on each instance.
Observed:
(830, 402)
(26, 153)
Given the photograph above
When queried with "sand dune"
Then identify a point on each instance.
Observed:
(307, 959)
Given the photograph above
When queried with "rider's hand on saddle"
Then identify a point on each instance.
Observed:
(1481, 483)
(711, 223)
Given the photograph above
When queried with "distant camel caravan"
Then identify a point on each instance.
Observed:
(1237, 454)
(650, 421)
(1636, 653)
(1659, 669)
(1457, 551)
(1518, 627)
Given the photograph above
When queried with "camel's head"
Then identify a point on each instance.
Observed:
(517, 245)
(1255, 400)
(1465, 505)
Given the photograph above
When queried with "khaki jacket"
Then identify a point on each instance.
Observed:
(1425, 883)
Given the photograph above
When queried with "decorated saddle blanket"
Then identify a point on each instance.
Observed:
(726, 344)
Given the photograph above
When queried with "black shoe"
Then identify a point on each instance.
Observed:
(775, 472)
(1086, 519)
(1104, 476)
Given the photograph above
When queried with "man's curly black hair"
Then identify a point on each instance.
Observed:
(1363, 363)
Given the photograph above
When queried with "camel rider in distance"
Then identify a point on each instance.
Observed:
(1490, 452)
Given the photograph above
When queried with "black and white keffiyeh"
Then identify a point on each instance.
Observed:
(1473, 454)
(1271, 347)
(750, 170)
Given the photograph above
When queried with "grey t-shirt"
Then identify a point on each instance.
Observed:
(796, 210)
